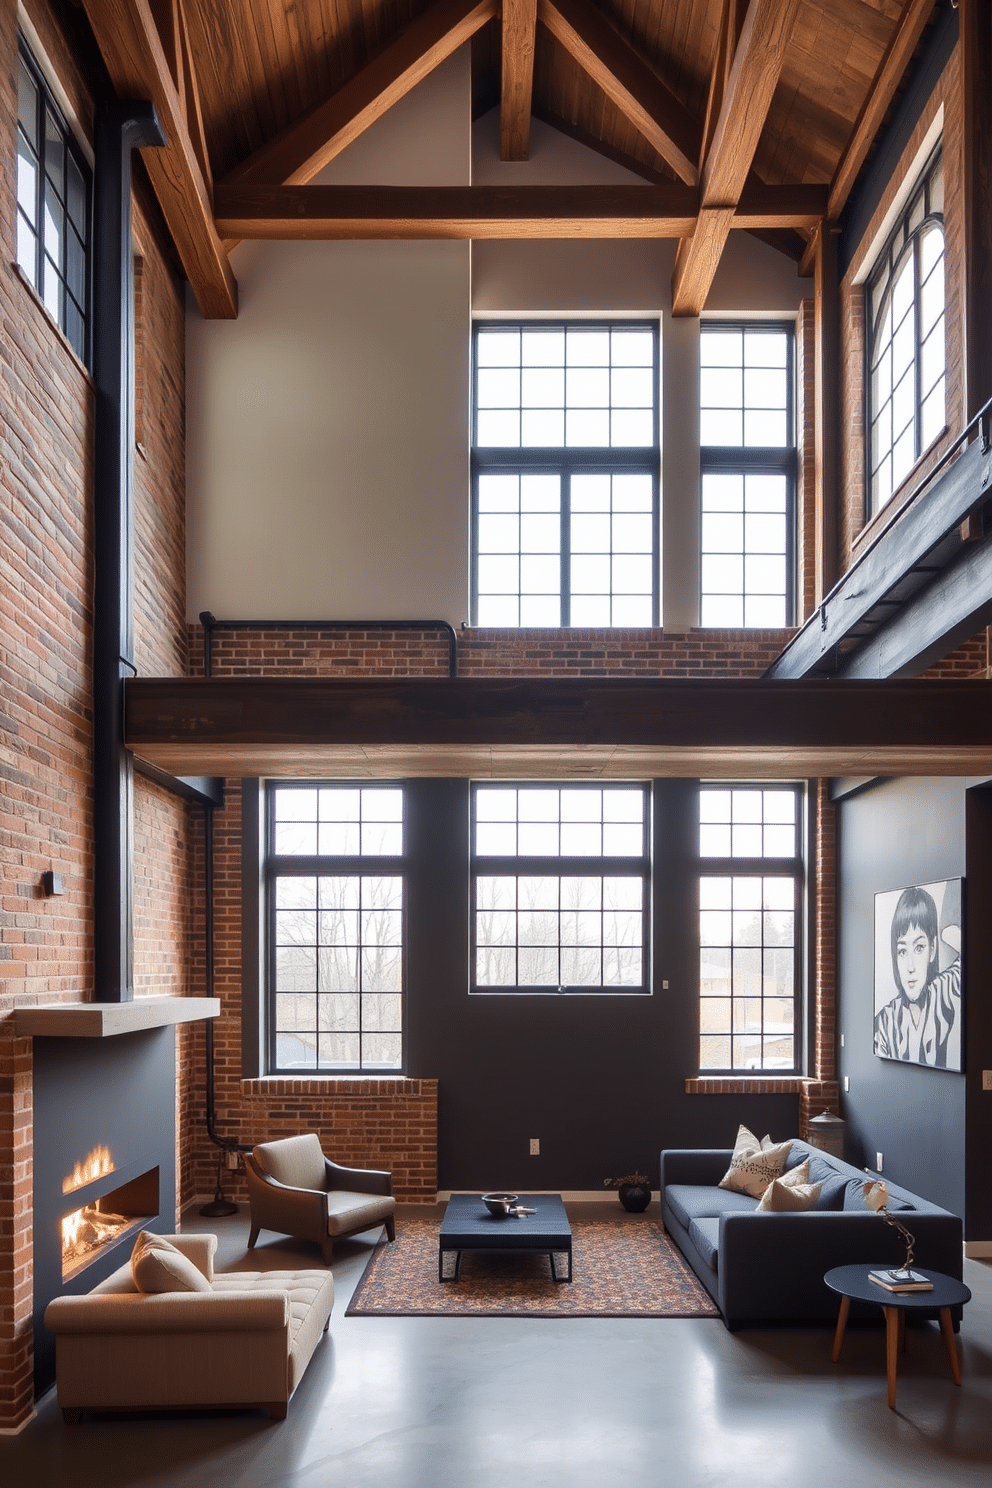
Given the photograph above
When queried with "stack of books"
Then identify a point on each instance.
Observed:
(901, 1281)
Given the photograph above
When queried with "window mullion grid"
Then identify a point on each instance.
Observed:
(792, 868)
(565, 556)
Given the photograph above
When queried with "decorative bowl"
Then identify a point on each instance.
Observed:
(499, 1203)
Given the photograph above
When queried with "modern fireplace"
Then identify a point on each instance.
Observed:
(104, 1161)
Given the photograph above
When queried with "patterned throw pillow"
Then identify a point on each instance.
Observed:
(754, 1164)
(782, 1197)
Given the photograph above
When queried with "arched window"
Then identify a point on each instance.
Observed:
(906, 352)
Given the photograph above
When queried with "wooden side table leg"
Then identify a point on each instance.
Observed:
(947, 1328)
(845, 1307)
(902, 1331)
(891, 1350)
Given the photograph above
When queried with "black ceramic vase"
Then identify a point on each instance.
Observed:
(635, 1197)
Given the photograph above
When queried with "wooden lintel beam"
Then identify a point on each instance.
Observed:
(750, 87)
(341, 212)
(129, 42)
(298, 153)
(625, 78)
(517, 87)
(908, 32)
(664, 726)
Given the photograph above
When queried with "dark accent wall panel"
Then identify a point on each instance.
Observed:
(598, 1079)
(898, 833)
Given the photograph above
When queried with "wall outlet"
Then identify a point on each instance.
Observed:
(878, 1162)
(535, 1146)
(842, 1041)
(987, 1079)
(231, 1159)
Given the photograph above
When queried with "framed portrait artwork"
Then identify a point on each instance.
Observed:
(918, 986)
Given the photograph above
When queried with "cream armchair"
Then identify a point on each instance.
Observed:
(295, 1190)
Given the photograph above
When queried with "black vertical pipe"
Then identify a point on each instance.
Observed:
(121, 127)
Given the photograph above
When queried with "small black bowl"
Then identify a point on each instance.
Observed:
(499, 1203)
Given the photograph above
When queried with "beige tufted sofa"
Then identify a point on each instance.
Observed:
(245, 1343)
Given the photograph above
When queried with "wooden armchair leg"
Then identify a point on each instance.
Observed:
(278, 1409)
(390, 1224)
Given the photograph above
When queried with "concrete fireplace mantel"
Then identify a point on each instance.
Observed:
(107, 1019)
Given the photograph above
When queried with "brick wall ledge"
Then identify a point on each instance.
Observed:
(749, 1085)
(338, 1085)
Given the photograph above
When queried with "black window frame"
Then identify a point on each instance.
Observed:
(569, 460)
(795, 868)
(759, 460)
(48, 105)
(532, 865)
(357, 865)
(887, 267)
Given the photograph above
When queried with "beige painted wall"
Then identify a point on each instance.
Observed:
(328, 425)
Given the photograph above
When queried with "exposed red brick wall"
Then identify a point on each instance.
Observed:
(824, 1002)
(46, 576)
(328, 652)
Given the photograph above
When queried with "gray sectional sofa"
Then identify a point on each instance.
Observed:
(764, 1267)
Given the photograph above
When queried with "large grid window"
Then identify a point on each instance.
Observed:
(53, 206)
(750, 923)
(335, 884)
(565, 474)
(906, 343)
(560, 881)
(747, 462)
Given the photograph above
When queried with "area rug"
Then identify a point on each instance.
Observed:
(620, 1269)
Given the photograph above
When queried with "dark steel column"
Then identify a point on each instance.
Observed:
(121, 127)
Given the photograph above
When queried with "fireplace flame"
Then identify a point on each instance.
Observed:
(87, 1229)
(94, 1165)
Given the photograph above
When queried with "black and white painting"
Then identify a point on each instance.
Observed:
(918, 974)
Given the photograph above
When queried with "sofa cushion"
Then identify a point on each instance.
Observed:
(350, 1212)
(296, 1161)
(753, 1164)
(705, 1236)
(689, 1201)
(157, 1266)
(854, 1199)
(781, 1197)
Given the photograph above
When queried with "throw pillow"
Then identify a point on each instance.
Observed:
(781, 1197)
(754, 1164)
(157, 1266)
(796, 1177)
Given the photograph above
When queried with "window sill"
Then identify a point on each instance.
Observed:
(747, 1084)
(50, 321)
(363, 1083)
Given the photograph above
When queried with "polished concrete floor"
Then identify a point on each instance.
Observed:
(536, 1403)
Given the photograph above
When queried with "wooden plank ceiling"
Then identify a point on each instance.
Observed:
(716, 96)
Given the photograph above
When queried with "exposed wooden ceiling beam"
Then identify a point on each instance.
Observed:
(525, 726)
(519, 32)
(298, 153)
(341, 212)
(129, 42)
(625, 78)
(901, 48)
(750, 87)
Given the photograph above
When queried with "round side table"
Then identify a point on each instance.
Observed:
(853, 1283)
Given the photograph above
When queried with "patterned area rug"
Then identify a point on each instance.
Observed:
(620, 1269)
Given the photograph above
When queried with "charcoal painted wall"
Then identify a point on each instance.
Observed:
(897, 833)
(599, 1079)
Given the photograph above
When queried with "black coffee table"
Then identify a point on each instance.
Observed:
(468, 1225)
(854, 1283)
